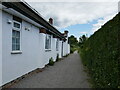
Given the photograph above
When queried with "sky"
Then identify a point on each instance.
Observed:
(77, 16)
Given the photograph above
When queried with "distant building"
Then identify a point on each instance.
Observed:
(27, 40)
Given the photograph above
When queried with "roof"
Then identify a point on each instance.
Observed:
(25, 9)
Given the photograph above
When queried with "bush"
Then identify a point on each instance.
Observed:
(72, 50)
(100, 53)
(51, 62)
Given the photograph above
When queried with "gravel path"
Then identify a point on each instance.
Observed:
(67, 73)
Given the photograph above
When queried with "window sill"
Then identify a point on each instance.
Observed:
(47, 50)
(16, 52)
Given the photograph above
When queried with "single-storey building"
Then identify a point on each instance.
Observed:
(27, 40)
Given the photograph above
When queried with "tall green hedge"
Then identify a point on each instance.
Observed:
(101, 55)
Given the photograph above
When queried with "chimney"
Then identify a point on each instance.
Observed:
(65, 33)
(51, 21)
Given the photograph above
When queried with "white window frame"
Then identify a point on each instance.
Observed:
(16, 29)
(50, 43)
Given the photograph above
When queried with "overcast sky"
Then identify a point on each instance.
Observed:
(76, 16)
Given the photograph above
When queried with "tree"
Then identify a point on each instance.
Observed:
(82, 40)
(73, 43)
(72, 40)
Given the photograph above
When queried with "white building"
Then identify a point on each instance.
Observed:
(27, 41)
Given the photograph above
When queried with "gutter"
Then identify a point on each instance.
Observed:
(25, 9)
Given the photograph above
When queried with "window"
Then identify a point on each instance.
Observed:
(48, 42)
(15, 40)
(16, 25)
(16, 36)
(57, 45)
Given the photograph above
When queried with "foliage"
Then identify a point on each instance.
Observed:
(51, 62)
(82, 40)
(73, 40)
(100, 53)
(72, 48)
(73, 43)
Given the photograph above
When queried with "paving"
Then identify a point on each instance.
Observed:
(67, 73)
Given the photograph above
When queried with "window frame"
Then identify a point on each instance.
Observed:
(50, 44)
(18, 30)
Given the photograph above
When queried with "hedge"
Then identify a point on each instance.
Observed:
(101, 55)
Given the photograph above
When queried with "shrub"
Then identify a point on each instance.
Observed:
(51, 62)
(73, 48)
(100, 53)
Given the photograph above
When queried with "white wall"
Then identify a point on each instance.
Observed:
(33, 50)
(41, 61)
(0, 47)
(60, 49)
(47, 54)
(65, 48)
(68, 48)
(15, 65)
(53, 48)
